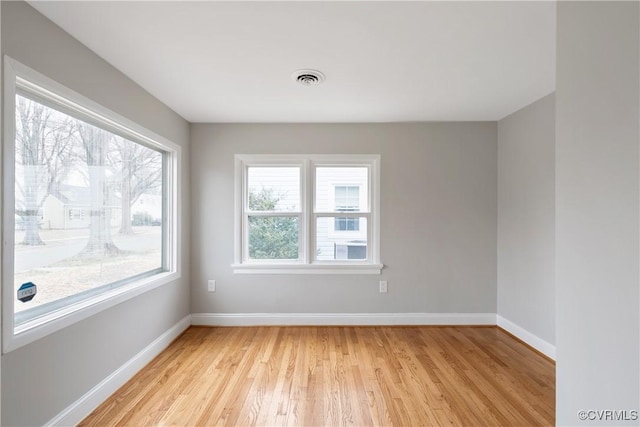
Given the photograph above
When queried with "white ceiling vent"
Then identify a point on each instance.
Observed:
(308, 77)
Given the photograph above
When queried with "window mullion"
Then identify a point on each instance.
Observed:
(342, 214)
(374, 207)
(274, 213)
(302, 226)
(245, 216)
(245, 237)
(309, 217)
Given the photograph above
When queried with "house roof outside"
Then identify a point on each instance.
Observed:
(77, 196)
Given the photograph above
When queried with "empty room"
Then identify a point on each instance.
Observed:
(320, 213)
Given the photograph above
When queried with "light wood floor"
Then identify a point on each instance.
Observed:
(334, 376)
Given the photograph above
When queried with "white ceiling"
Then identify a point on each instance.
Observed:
(383, 61)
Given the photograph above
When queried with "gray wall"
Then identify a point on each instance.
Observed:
(526, 218)
(43, 378)
(438, 219)
(1, 233)
(597, 209)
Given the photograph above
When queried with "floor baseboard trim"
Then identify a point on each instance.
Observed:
(346, 319)
(81, 408)
(527, 337)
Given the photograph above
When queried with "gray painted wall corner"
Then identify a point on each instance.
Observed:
(526, 218)
(42, 379)
(597, 210)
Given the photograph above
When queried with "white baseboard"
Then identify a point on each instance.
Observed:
(327, 319)
(534, 341)
(82, 407)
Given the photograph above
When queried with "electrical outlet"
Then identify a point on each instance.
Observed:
(383, 286)
(212, 285)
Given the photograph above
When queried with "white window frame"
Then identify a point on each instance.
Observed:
(17, 75)
(306, 262)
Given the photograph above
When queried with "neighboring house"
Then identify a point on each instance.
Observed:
(70, 206)
(150, 204)
(342, 190)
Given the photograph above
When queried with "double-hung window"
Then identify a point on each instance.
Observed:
(78, 178)
(307, 214)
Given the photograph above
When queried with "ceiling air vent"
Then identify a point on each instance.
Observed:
(308, 77)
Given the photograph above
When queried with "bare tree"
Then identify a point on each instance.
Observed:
(44, 140)
(95, 142)
(141, 173)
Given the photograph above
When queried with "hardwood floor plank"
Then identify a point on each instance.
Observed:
(338, 376)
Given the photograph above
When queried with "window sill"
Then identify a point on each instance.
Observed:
(40, 327)
(306, 268)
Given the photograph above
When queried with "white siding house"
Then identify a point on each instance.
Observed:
(341, 189)
(70, 208)
(149, 204)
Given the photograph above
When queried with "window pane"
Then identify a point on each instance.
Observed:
(274, 189)
(88, 208)
(350, 245)
(273, 237)
(341, 189)
(347, 224)
(347, 198)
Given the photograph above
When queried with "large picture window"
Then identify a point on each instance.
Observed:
(91, 209)
(307, 214)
